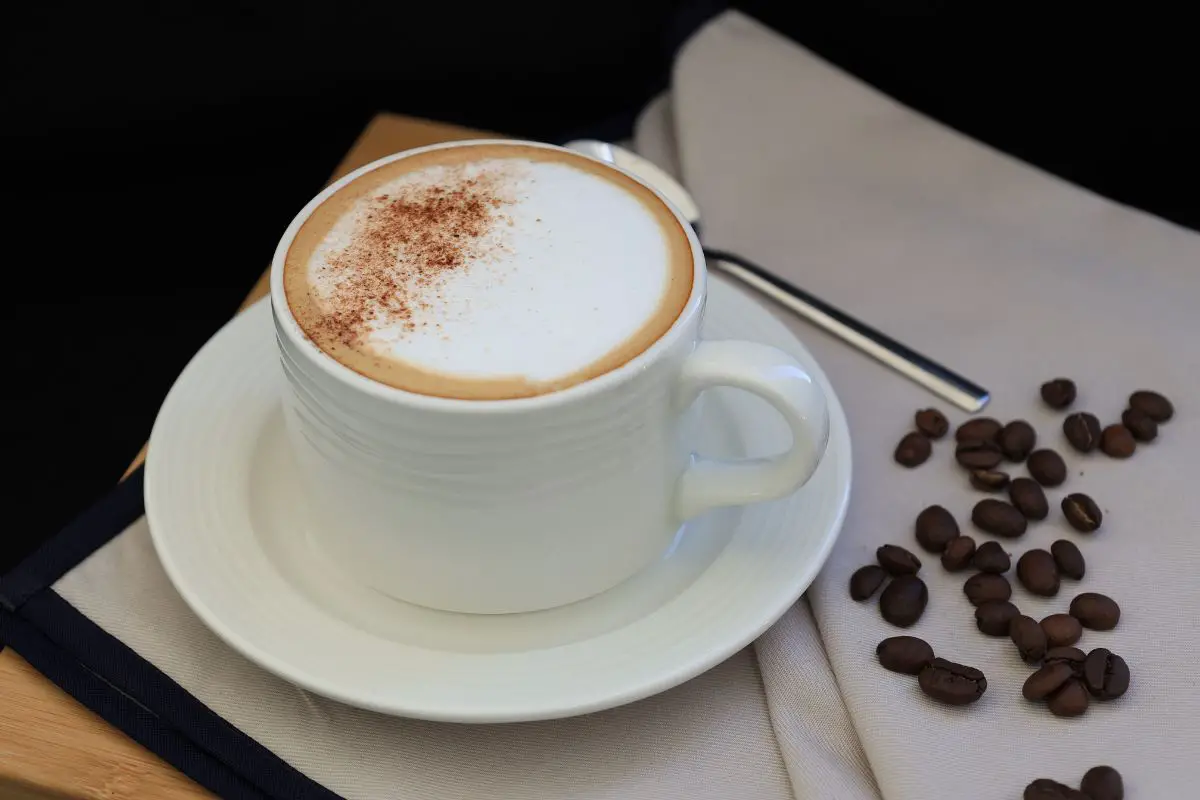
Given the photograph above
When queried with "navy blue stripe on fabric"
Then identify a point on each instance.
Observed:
(120, 686)
(119, 710)
(86, 534)
(100, 652)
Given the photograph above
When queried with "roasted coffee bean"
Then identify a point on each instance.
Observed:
(990, 557)
(1017, 440)
(1027, 495)
(1058, 393)
(988, 480)
(1069, 701)
(987, 588)
(1105, 674)
(897, 561)
(998, 518)
(904, 654)
(1153, 404)
(1062, 630)
(1116, 441)
(984, 428)
(1068, 558)
(935, 528)
(866, 581)
(1038, 573)
(993, 619)
(1046, 789)
(1046, 681)
(1103, 783)
(1095, 611)
(913, 450)
(950, 683)
(1046, 467)
(958, 554)
(1071, 656)
(1082, 512)
(1140, 424)
(903, 600)
(978, 454)
(1082, 431)
(1028, 637)
(932, 423)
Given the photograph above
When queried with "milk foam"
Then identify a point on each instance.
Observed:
(573, 266)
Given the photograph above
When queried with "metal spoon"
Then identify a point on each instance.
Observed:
(943, 382)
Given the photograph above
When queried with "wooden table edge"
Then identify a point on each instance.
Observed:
(51, 746)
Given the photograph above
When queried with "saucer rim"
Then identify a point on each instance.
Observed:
(671, 675)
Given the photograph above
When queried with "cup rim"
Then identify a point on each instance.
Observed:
(287, 326)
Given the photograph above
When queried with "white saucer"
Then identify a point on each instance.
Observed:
(229, 524)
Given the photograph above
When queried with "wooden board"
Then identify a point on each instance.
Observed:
(53, 747)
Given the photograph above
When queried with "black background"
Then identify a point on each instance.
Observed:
(153, 154)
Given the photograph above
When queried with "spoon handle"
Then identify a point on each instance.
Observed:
(946, 384)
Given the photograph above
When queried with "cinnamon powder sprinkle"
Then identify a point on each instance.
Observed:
(403, 247)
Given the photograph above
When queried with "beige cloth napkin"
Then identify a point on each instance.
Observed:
(1012, 277)
(995, 268)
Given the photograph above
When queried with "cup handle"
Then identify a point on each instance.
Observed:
(779, 379)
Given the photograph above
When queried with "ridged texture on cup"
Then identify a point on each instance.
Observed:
(431, 502)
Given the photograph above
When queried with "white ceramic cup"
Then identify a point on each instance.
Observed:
(498, 506)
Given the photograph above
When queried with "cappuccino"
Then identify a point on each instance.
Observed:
(488, 271)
